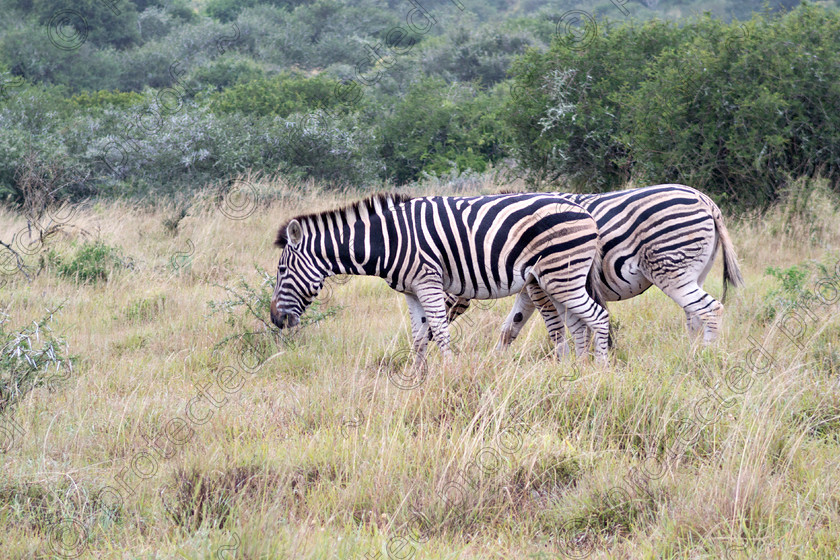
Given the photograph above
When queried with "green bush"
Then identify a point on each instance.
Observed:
(225, 72)
(474, 55)
(92, 262)
(101, 99)
(246, 305)
(440, 126)
(228, 10)
(795, 287)
(26, 49)
(737, 110)
(733, 109)
(566, 106)
(104, 27)
(279, 95)
(30, 357)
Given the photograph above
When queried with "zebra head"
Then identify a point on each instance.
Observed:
(299, 278)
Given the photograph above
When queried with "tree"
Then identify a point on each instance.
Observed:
(103, 23)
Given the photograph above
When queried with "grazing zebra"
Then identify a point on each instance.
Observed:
(663, 235)
(482, 247)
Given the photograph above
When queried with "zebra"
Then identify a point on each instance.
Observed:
(662, 235)
(478, 247)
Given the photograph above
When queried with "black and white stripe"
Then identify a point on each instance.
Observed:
(481, 247)
(663, 235)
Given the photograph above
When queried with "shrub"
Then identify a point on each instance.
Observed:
(26, 50)
(225, 72)
(91, 263)
(156, 63)
(249, 303)
(437, 127)
(279, 95)
(794, 287)
(474, 55)
(104, 26)
(101, 99)
(154, 23)
(732, 109)
(30, 357)
(565, 111)
(227, 10)
(314, 35)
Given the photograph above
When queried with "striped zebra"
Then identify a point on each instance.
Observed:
(480, 247)
(663, 235)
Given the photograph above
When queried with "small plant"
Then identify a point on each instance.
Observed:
(146, 309)
(792, 289)
(30, 357)
(249, 302)
(51, 507)
(195, 498)
(826, 351)
(91, 263)
(172, 220)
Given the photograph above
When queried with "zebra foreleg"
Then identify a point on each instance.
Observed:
(522, 310)
(431, 298)
(455, 307)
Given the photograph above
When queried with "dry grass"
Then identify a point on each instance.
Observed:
(319, 455)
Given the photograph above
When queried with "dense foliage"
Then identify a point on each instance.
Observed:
(734, 109)
(157, 96)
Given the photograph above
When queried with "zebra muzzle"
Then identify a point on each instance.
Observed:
(284, 320)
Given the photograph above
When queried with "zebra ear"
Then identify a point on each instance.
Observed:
(295, 233)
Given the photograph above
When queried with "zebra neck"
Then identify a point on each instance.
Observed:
(351, 242)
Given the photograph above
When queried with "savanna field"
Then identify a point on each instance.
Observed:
(186, 428)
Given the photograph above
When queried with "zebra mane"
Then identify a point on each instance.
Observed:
(371, 203)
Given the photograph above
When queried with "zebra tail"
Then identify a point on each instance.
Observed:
(731, 270)
(593, 287)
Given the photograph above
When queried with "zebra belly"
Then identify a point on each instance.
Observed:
(482, 291)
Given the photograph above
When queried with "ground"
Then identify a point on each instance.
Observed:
(174, 437)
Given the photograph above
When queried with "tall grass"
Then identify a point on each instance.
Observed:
(318, 454)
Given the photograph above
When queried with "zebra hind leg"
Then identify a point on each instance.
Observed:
(555, 317)
(581, 335)
(711, 324)
(581, 308)
(702, 311)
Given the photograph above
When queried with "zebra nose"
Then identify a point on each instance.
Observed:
(276, 317)
(283, 320)
(279, 319)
